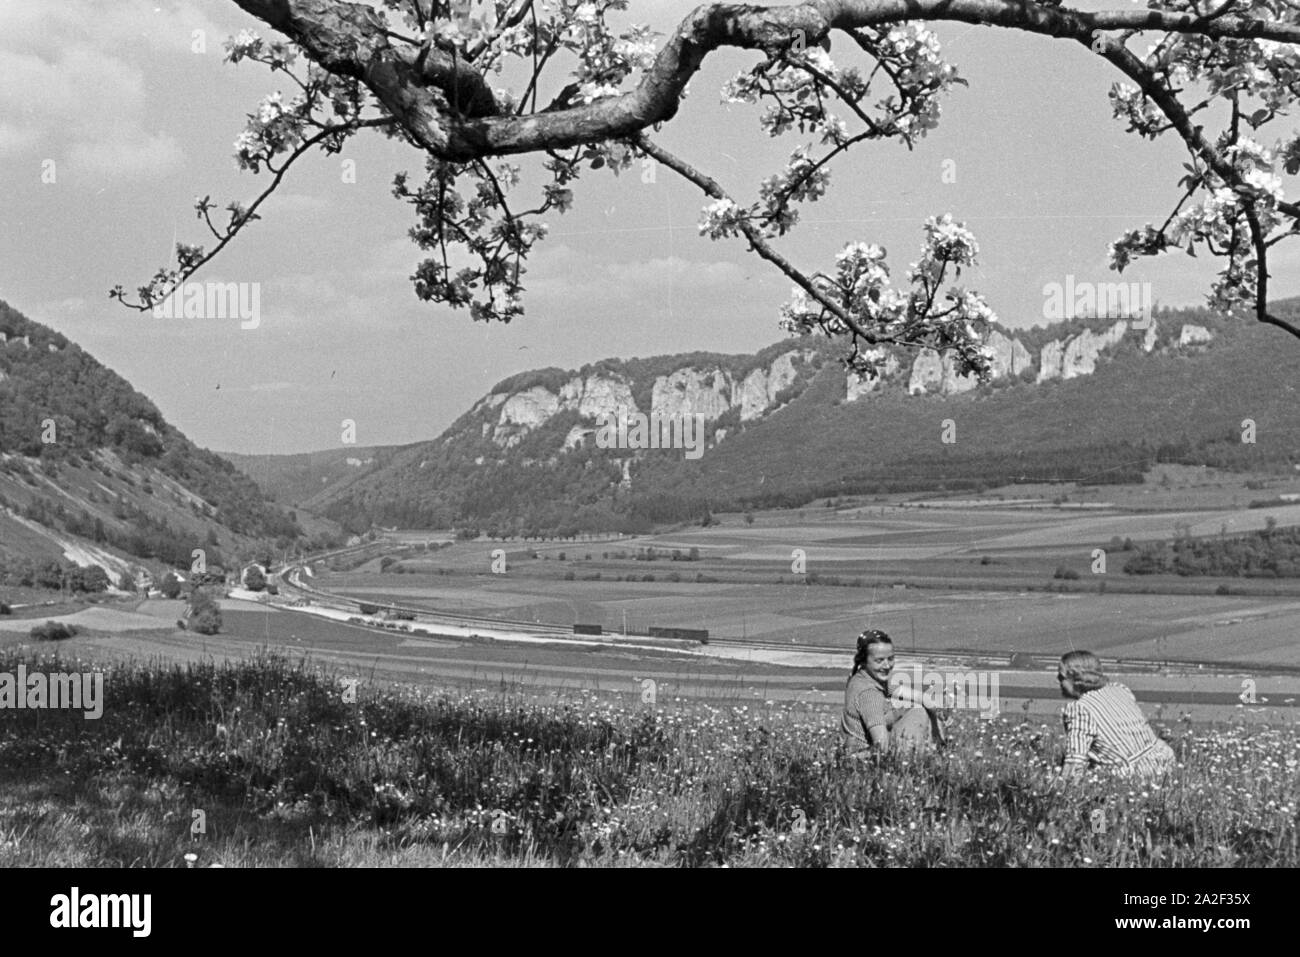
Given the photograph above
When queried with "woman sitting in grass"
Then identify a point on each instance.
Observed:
(878, 718)
(1104, 727)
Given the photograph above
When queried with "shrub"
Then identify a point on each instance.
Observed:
(207, 622)
(52, 631)
(1223, 590)
(5, 609)
(254, 580)
(205, 616)
(1066, 573)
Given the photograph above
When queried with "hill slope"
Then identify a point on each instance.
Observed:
(91, 472)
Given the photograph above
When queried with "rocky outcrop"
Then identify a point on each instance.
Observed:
(530, 408)
(686, 391)
(1009, 358)
(1149, 339)
(887, 364)
(927, 373)
(524, 411)
(691, 392)
(1049, 361)
(1081, 352)
(757, 393)
(597, 396)
(952, 382)
(1191, 335)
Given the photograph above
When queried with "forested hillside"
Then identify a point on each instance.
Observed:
(90, 468)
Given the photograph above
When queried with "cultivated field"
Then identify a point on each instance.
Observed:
(976, 578)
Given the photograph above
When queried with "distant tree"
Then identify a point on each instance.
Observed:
(92, 579)
(170, 586)
(254, 580)
(205, 616)
(52, 631)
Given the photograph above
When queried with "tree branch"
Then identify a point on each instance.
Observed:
(349, 39)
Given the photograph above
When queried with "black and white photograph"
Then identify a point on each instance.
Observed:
(645, 434)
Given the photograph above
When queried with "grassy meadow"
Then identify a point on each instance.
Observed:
(287, 772)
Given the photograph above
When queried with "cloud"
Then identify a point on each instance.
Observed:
(117, 154)
(565, 273)
(73, 85)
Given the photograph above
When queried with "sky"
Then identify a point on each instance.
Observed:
(135, 122)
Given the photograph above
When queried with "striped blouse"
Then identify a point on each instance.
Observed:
(1107, 728)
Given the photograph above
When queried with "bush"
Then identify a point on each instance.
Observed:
(207, 622)
(5, 609)
(52, 631)
(569, 576)
(387, 562)
(1223, 590)
(205, 616)
(1066, 573)
(254, 580)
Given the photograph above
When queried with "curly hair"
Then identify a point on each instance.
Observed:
(1084, 671)
(865, 641)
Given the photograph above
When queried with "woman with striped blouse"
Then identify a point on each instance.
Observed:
(1104, 727)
